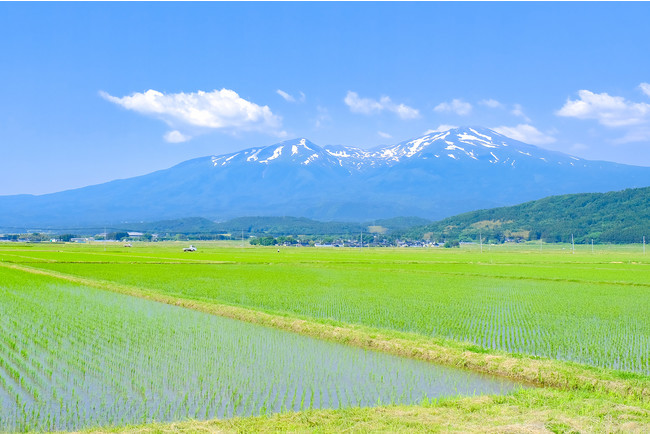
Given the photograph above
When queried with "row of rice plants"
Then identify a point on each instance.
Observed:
(73, 357)
(606, 324)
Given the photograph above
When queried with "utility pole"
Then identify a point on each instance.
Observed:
(592, 245)
(480, 237)
(644, 244)
(573, 246)
(242, 238)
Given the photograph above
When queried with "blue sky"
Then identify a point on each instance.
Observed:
(97, 91)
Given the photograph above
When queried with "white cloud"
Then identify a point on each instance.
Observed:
(610, 111)
(518, 111)
(370, 106)
(285, 95)
(457, 106)
(405, 112)
(362, 105)
(198, 111)
(525, 133)
(441, 129)
(645, 88)
(290, 98)
(176, 136)
(384, 135)
(491, 103)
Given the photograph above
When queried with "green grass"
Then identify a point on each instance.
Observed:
(536, 410)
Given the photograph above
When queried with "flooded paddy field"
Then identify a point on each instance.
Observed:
(589, 307)
(73, 357)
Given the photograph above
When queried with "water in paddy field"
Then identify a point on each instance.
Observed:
(73, 358)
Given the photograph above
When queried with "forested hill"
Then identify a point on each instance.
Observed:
(614, 217)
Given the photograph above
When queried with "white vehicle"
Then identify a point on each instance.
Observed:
(191, 248)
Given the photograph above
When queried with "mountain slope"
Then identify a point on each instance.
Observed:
(617, 217)
(433, 176)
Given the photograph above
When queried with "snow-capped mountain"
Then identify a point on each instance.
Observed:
(479, 144)
(298, 151)
(433, 176)
(474, 143)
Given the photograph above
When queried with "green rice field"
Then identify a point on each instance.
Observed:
(587, 308)
(75, 356)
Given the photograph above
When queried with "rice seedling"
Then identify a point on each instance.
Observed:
(73, 357)
(586, 308)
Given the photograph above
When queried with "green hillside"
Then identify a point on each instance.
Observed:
(614, 217)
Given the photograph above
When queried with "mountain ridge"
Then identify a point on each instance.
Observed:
(349, 156)
(433, 176)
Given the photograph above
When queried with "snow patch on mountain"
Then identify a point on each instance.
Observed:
(253, 157)
(479, 134)
(276, 153)
(341, 154)
(310, 159)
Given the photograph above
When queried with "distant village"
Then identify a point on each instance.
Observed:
(40, 237)
(327, 241)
